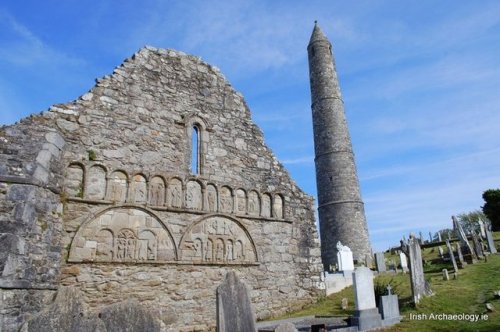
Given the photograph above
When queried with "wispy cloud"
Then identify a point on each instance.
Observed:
(25, 48)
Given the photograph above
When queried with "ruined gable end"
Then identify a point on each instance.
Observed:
(152, 186)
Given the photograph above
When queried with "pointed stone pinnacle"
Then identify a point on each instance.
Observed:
(317, 34)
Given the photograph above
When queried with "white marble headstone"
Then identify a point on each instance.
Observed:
(344, 258)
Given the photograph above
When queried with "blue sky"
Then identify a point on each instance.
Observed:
(420, 81)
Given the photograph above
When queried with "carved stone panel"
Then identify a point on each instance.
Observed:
(266, 205)
(139, 189)
(226, 200)
(278, 207)
(174, 193)
(193, 195)
(217, 240)
(253, 203)
(241, 201)
(118, 187)
(123, 235)
(96, 183)
(157, 191)
(74, 181)
(212, 199)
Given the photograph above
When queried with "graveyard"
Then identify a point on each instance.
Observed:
(153, 200)
(474, 287)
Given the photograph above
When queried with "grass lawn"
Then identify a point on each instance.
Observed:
(466, 295)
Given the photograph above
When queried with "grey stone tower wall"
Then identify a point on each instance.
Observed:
(105, 167)
(341, 210)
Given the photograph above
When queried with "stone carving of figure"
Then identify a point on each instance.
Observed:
(116, 192)
(175, 199)
(189, 199)
(278, 207)
(140, 189)
(157, 194)
(219, 251)
(225, 204)
(229, 251)
(266, 206)
(241, 201)
(198, 248)
(209, 251)
(251, 205)
(211, 201)
(239, 251)
(126, 243)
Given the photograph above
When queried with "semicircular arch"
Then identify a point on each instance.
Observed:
(129, 241)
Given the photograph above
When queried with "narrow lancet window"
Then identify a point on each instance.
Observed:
(195, 150)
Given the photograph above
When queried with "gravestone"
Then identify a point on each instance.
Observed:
(234, 310)
(430, 237)
(461, 261)
(389, 308)
(441, 253)
(439, 236)
(420, 238)
(344, 303)
(476, 244)
(452, 256)
(419, 286)
(491, 242)
(366, 315)
(380, 261)
(369, 261)
(344, 257)
(467, 251)
(482, 228)
(445, 275)
(404, 262)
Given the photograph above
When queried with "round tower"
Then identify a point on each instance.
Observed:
(340, 208)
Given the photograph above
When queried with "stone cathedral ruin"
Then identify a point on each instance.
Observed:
(150, 187)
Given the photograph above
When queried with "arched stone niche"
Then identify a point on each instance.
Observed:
(241, 201)
(139, 189)
(278, 210)
(74, 180)
(193, 195)
(123, 234)
(118, 186)
(266, 206)
(96, 183)
(226, 200)
(212, 198)
(217, 239)
(157, 191)
(253, 203)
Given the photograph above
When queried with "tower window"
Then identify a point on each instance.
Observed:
(195, 150)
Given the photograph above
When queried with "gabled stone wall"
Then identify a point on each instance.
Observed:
(137, 222)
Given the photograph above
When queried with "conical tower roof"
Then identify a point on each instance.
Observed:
(317, 34)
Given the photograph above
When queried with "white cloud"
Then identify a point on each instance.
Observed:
(25, 48)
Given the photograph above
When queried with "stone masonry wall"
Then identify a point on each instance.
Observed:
(137, 221)
(30, 218)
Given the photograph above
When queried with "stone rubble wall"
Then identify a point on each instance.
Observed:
(137, 223)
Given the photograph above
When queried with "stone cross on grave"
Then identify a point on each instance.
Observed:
(389, 288)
